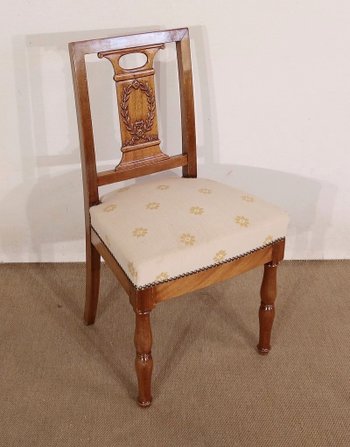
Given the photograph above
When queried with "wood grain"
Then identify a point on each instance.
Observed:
(93, 266)
(211, 276)
(267, 307)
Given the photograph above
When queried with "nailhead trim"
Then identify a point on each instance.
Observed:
(183, 275)
(202, 269)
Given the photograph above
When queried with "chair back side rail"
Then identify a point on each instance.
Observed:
(187, 106)
(86, 135)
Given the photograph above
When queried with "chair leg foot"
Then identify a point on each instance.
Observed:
(143, 361)
(262, 351)
(144, 404)
(93, 267)
(267, 307)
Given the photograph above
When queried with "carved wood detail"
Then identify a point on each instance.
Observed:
(137, 107)
(138, 129)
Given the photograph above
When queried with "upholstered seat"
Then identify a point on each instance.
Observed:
(169, 227)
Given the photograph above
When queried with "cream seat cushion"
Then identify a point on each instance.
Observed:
(171, 227)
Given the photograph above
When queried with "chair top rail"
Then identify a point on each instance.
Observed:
(128, 41)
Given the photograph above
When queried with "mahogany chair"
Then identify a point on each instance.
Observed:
(164, 238)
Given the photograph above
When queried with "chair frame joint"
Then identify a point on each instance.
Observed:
(272, 264)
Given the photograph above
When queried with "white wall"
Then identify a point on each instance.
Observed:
(272, 83)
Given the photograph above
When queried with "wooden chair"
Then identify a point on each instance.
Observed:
(168, 237)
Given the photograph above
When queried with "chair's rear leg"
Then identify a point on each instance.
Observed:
(93, 267)
(267, 306)
(143, 361)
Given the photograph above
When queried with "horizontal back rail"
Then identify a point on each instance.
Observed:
(113, 175)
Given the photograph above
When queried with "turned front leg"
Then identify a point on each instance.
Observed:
(143, 362)
(267, 306)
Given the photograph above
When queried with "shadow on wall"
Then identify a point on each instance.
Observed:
(308, 202)
(51, 192)
(47, 207)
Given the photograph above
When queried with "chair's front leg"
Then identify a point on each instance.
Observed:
(267, 306)
(143, 362)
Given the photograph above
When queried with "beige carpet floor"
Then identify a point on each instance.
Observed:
(64, 384)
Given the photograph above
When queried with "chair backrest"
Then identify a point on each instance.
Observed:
(141, 153)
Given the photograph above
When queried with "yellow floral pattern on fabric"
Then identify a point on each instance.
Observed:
(187, 239)
(168, 227)
(109, 208)
(196, 210)
(132, 270)
(247, 198)
(162, 276)
(268, 239)
(242, 221)
(220, 256)
(153, 205)
(139, 232)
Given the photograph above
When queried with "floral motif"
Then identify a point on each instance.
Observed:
(139, 232)
(187, 239)
(162, 276)
(268, 239)
(247, 198)
(132, 270)
(220, 256)
(109, 208)
(205, 190)
(163, 187)
(197, 210)
(242, 221)
(152, 205)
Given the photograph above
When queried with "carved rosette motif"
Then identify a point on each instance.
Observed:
(138, 129)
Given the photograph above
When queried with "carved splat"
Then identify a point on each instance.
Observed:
(136, 106)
